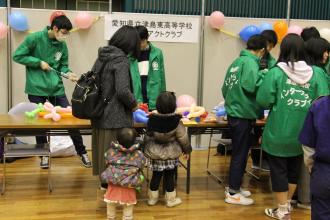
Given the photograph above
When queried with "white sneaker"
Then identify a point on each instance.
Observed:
(44, 163)
(276, 214)
(237, 199)
(245, 193)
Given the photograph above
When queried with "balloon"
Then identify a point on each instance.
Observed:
(140, 116)
(217, 19)
(18, 21)
(265, 26)
(281, 28)
(54, 15)
(185, 101)
(248, 31)
(221, 111)
(83, 20)
(3, 30)
(294, 29)
(325, 33)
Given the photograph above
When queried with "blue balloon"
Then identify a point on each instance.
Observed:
(248, 31)
(265, 26)
(18, 21)
(221, 111)
(140, 116)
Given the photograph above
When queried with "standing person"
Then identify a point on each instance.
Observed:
(268, 61)
(318, 50)
(309, 33)
(165, 141)
(45, 56)
(116, 86)
(124, 173)
(239, 91)
(316, 145)
(147, 71)
(288, 91)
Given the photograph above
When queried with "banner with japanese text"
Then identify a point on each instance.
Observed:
(164, 28)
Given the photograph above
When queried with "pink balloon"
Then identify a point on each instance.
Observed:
(217, 19)
(185, 101)
(3, 30)
(83, 20)
(295, 29)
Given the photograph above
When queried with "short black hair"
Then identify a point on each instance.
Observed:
(315, 48)
(126, 137)
(310, 32)
(143, 32)
(127, 39)
(61, 22)
(270, 36)
(256, 42)
(292, 49)
(166, 102)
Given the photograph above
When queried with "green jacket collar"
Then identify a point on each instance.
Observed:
(247, 53)
(52, 41)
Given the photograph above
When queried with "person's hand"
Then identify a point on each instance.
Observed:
(185, 156)
(73, 77)
(44, 66)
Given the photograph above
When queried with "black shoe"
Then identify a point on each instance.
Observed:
(85, 160)
(104, 186)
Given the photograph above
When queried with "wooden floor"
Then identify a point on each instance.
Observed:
(75, 194)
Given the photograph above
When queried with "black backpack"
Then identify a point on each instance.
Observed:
(87, 101)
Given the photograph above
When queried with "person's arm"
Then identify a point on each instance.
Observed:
(23, 55)
(249, 77)
(162, 72)
(307, 138)
(308, 157)
(182, 137)
(123, 85)
(266, 95)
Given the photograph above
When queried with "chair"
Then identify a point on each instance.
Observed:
(225, 141)
(23, 150)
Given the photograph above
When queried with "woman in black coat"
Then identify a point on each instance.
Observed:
(116, 86)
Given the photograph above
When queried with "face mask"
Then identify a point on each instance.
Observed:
(61, 37)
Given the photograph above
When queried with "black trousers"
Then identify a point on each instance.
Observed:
(63, 102)
(169, 180)
(241, 138)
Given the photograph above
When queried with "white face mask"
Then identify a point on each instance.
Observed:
(60, 36)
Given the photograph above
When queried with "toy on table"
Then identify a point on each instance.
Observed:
(33, 114)
(48, 111)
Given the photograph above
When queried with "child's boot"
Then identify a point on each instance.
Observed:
(153, 197)
(171, 199)
(111, 211)
(128, 212)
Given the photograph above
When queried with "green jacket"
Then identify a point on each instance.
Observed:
(240, 85)
(288, 103)
(327, 71)
(271, 61)
(39, 47)
(156, 77)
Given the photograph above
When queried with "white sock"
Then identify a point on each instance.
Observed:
(283, 209)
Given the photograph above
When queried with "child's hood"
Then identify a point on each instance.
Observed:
(299, 72)
(121, 148)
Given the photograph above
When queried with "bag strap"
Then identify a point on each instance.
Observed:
(98, 73)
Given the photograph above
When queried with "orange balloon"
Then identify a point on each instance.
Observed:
(63, 115)
(281, 29)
